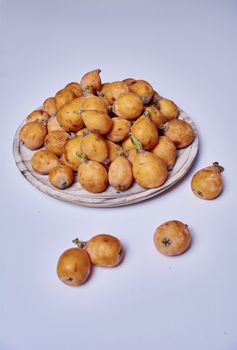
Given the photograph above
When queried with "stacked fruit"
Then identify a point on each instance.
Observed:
(109, 134)
(75, 264)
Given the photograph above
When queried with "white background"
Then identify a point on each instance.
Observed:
(188, 51)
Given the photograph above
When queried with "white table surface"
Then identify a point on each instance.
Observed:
(188, 51)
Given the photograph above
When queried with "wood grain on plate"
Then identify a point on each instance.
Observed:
(110, 198)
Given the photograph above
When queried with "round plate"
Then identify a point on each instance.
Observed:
(110, 198)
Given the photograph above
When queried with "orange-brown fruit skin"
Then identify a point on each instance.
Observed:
(63, 96)
(104, 88)
(180, 132)
(119, 130)
(146, 132)
(33, 135)
(92, 80)
(129, 149)
(105, 250)
(93, 176)
(128, 106)
(172, 238)
(94, 147)
(83, 132)
(71, 148)
(92, 102)
(69, 117)
(61, 176)
(207, 183)
(63, 160)
(128, 81)
(148, 170)
(49, 106)
(120, 174)
(114, 150)
(53, 124)
(43, 161)
(156, 98)
(97, 122)
(113, 90)
(143, 89)
(38, 116)
(74, 267)
(168, 108)
(75, 87)
(156, 116)
(166, 150)
(55, 141)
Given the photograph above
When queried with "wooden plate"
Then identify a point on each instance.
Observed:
(110, 198)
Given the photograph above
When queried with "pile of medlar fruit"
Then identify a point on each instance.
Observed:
(107, 133)
(112, 134)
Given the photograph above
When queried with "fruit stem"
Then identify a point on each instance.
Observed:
(146, 99)
(136, 142)
(85, 133)
(220, 168)
(164, 127)
(146, 113)
(82, 157)
(80, 244)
